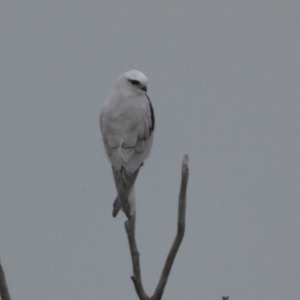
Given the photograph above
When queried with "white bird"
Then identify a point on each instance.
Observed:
(127, 125)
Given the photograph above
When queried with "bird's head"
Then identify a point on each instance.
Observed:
(133, 79)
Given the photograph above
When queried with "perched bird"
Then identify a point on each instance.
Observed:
(127, 125)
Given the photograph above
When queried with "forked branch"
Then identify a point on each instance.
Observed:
(130, 229)
(3, 285)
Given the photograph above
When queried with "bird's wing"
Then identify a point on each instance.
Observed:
(127, 126)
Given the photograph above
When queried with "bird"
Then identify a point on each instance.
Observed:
(127, 125)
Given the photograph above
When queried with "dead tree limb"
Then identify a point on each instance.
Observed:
(3, 285)
(130, 230)
(135, 255)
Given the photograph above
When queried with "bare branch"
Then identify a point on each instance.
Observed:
(180, 231)
(3, 285)
(136, 278)
(130, 229)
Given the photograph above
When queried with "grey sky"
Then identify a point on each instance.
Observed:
(224, 84)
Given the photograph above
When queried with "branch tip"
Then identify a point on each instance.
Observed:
(185, 163)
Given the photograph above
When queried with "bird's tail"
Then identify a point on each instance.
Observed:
(117, 206)
(125, 199)
(131, 205)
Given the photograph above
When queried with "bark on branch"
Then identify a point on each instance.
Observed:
(130, 229)
(3, 285)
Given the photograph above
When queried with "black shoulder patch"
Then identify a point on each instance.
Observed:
(152, 115)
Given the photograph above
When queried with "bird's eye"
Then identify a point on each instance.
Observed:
(134, 82)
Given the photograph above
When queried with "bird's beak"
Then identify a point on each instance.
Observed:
(144, 88)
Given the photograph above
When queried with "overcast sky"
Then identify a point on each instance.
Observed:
(224, 84)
